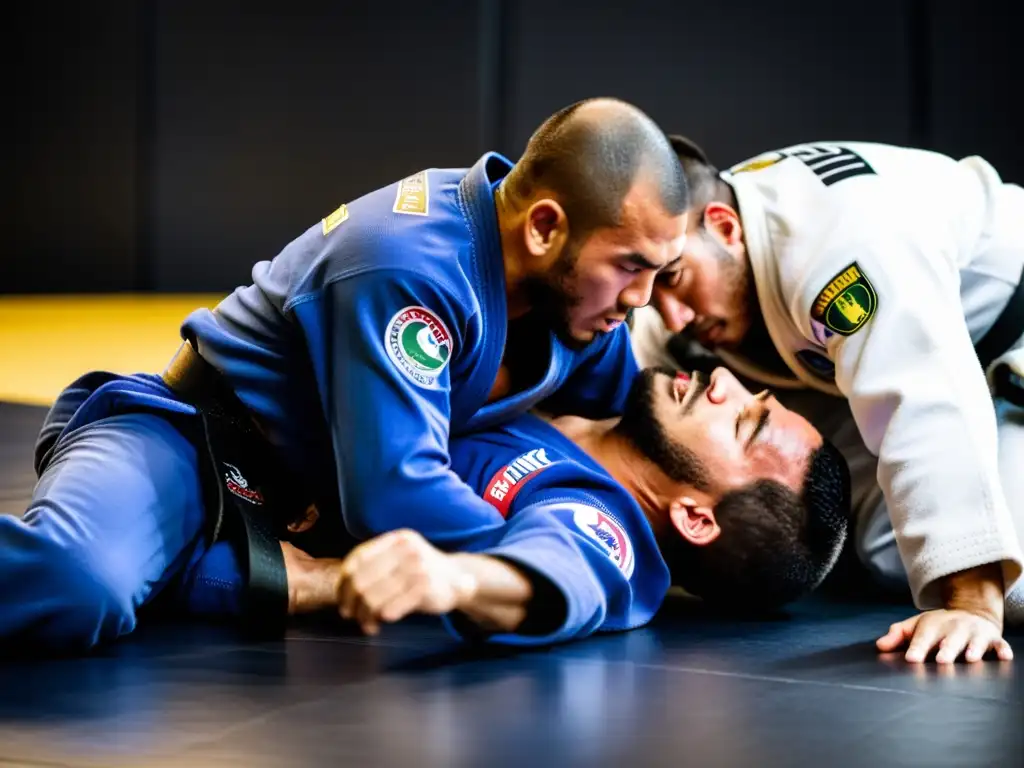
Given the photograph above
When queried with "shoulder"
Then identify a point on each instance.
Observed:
(504, 462)
(841, 224)
(604, 519)
(414, 227)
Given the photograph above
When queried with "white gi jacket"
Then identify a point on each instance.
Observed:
(877, 269)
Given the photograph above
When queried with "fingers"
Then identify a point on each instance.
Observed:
(976, 649)
(403, 603)
(1003, 650)
(381, 574)
(897, 635)
(375, 598)
(949, 634)
(981, 644)
(955, 641)
(365, 565)
(925, 637)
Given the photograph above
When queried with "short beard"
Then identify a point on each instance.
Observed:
(737, 279)
(641, 428)
(552, 298)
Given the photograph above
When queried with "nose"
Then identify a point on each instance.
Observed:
(638, 293)
(723, 386)
(675, 313)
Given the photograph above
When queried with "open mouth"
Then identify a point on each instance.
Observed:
(680, 387)
(686, 388)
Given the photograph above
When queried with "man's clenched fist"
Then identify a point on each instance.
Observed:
(399, 573)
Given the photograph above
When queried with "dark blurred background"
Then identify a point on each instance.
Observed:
(166, 146)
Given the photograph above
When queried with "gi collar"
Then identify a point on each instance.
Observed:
(477, 192)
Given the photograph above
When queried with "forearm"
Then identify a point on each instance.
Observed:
(500, 600)
(502, 596)
(393, 575)
(938, 468)
(312, 582)
(978, 590)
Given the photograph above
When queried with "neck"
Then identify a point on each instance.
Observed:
(510, 226)
(757, 344)
(730, 195)
(757, 337)
(651, 488)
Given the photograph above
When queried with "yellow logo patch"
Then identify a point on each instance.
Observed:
(847, 302)
(413, 195)
(331, 222)
(757, 164)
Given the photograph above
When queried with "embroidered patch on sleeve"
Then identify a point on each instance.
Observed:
(419, 344)
(511, 478)
(336, 218)
(846, 303)
(607, 533)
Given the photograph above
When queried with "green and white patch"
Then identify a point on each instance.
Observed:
(419, 344)
(846, 303)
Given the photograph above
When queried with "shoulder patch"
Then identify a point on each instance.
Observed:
(846, 303)
(335, 219)
(413, 197)
(509, 480)
(762, 161)
(817, 363)
(419, 344)
(608, 534)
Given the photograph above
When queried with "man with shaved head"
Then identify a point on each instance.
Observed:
(446, 302)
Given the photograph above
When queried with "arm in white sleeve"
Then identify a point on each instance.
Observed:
(922, 405)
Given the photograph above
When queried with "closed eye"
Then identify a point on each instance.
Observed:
(635, 263)
(762, 422)
(762, 419)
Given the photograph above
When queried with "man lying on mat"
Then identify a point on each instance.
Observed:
(701, 484)
(449, 301)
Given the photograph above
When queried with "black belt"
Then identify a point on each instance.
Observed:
(244, 476)
(1004, 333)
(1006, 330)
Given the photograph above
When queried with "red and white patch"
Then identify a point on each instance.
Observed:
(238, 485)
(509, 480)
(608, 534)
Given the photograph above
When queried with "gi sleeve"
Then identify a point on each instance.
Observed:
(893, 325)
(384, 343)
(598, 386)
(547, 539)
(215, 585)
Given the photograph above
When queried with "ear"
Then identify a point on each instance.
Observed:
(723, 220)
(547, 228)
(695, 523)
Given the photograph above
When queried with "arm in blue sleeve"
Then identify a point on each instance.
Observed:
(544, 540)
(389, 417)
(597, 389)
(215, 585)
